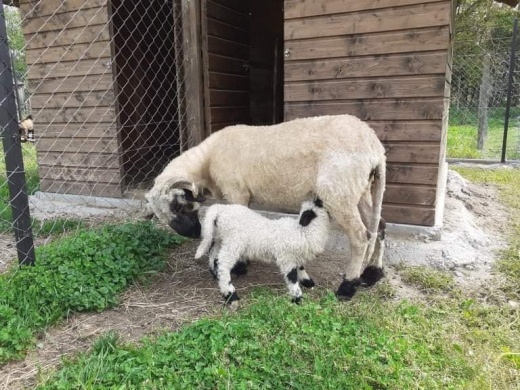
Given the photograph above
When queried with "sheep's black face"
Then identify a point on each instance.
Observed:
(184, 208)
(187, 224)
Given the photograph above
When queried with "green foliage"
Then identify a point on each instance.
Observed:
(16, 40)
(31, 176)
(273, 344)
(482, 24)
(82, 272)
(40, 228)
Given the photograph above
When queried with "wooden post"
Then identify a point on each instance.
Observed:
(191, 26)
(15, 170)
(483, 102)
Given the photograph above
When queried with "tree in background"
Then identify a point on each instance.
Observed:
(16, 41)
(483, 32)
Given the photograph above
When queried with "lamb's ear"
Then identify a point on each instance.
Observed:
(306, 217)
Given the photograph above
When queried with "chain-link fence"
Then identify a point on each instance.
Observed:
(479, 89)
(94, 98)
(99, 91)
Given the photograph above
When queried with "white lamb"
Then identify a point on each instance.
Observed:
(232, 232)
(339, 158)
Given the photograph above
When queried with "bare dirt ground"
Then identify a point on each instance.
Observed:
(474, 223)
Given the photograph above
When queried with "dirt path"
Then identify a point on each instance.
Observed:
(473, 226)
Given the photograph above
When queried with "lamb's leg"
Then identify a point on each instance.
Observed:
(304, 278)
(240, 197)
(351, 223)
(290, 274)
(225, 263)
(213, 258)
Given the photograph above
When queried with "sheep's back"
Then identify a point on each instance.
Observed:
(278, 165)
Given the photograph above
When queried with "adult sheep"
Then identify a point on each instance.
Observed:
(338, 158)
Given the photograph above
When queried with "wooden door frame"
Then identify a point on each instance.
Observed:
(193, 71)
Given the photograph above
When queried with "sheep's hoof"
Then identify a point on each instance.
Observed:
(347, 289)
(240, 268)
(297, 300)
(371, 275)
(309, 283)
(230, 298)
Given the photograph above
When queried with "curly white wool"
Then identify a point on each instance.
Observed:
(234, 232)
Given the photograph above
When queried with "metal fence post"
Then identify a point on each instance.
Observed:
(509, 89)
(13, 154)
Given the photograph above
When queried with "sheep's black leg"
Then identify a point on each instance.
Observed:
(304, 279)
(348, 288)
(371, 275)
(240, 267)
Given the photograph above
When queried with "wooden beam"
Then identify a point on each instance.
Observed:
(191, 21)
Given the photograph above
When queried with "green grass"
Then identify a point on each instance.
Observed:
(427, 279)
(462, 136)
(31, 176)
(273, 344)
(369, 343)
(82, 272)
(452, 339)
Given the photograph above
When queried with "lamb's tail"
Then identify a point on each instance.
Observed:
(208, 231)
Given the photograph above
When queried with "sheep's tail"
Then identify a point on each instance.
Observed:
(208, 231)
(378, 191)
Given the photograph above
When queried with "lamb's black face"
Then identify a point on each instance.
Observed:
(306, 217)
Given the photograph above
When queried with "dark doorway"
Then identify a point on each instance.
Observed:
(242, 43)
(143, 51)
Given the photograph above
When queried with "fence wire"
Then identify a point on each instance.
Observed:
(100, 92)
(479, 86)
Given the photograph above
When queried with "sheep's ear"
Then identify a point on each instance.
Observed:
(306, 217)
(191, 197)
(182, 184)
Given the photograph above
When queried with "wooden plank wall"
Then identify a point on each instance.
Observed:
(384, 61)
(225, 35)
(70, 77)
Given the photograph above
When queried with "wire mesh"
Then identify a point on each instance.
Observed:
(478, 101)
(100, 90)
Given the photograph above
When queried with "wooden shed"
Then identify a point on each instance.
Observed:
(117, 90)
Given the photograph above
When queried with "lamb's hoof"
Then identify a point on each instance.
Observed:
(347, 289)
(371, 275)
(240, 268)
(297, 300)
(231, 298)
(309, 283)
